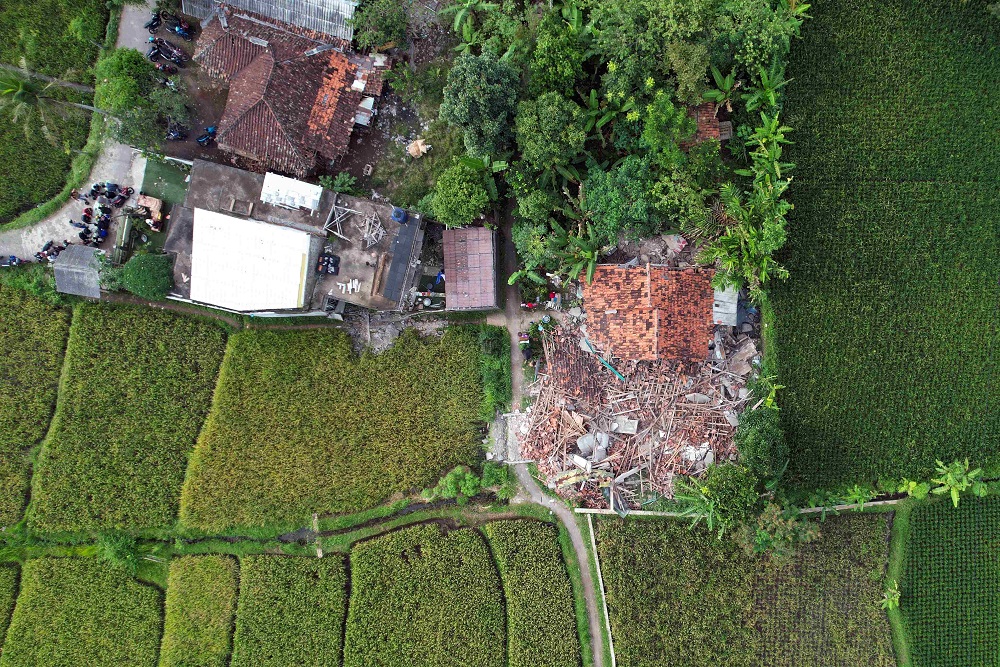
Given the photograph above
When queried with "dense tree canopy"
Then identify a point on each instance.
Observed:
(460, 196)
(549, 130)
(480, 98)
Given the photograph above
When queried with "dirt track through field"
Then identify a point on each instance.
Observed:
(514, 321)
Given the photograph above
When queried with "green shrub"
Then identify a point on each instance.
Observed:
(138, 385)
(496, 370)
(419, 597)
(378, 22)
(32, 337)
(761, 442)
(460, 195)
(148, 276)
(201, 601)
(290, 612)
(681, 597)
(950, 590)
(80, 612)
(541, 621)
(300, 425)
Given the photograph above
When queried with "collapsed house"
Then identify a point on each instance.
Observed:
(251, 242)
(295, 94)
(640, 388)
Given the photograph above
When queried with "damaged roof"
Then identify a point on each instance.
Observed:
(288, 104)
(650, 312)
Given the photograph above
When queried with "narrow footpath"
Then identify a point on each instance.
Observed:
(513, 318)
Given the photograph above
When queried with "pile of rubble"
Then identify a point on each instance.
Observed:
(612, 432)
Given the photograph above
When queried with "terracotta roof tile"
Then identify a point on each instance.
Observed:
(652, 312)
(285, 109)
(470, 268)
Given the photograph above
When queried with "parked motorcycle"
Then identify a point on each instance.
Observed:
(176, 134)
(183, 33)
(166, 68)
(153, 53)
(122, 197)
(167, 83)
(153, 24)
(12, 260)
(208, 138)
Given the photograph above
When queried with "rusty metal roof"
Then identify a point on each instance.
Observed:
(470, 268)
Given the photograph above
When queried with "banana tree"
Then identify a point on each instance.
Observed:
(464, 12)
(487, 167)
(767, 94)
(725, 90)
(582, 256)
(598, 113)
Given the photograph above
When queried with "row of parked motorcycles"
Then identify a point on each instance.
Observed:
(173, 23)
(177, 133)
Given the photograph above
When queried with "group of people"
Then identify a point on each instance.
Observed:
(95, 223)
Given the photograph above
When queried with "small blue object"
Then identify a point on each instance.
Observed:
(440, 277)
(399, 215)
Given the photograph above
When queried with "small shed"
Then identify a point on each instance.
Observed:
(77, 270)
(470, 269)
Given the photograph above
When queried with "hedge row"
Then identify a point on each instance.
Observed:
(201, 601)
(8, 595)
(32, 337)
(420, 597)
(138, 385)
(301, 425)
(681, 597)
(291, 612)
(541, 620)
(81, 612)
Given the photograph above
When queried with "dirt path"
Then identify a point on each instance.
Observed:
(513, 320)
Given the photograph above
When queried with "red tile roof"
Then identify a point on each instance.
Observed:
(651, 312)
(470, 268)
(285, 109)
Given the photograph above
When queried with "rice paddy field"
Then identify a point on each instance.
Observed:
(33, 337)
(300, 424)
(886, 333)
(950, 587)
(58, 38)
(682, 597)
(138, 385)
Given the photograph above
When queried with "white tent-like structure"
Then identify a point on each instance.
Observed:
(247, 265)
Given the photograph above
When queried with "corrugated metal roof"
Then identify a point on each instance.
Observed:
(290, 193)
(402, 252)
(77, 272)
(330, 17)
(247, 265)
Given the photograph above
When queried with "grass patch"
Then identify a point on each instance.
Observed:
(887, 330)
(419, 597)
(495, 363)
(201, 601)
(74, 611)
(682, 597)
(541, 622)
(165, 180)
(951, 583)
(291, 612)
(32, 336)
(301, 425)
(406, 180)
(137, 386)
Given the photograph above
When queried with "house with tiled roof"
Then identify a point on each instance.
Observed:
(294, 94)
(650, 312)
(470, 255)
